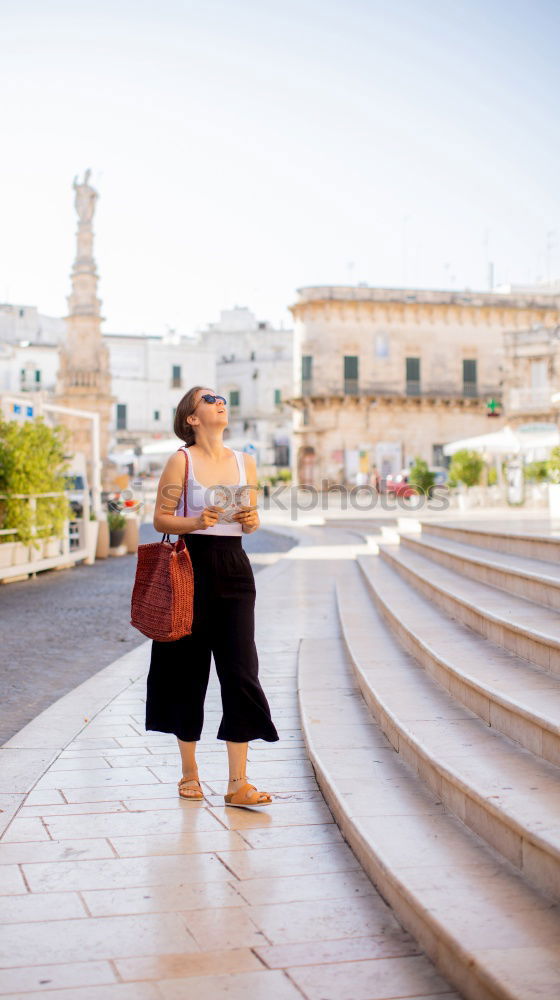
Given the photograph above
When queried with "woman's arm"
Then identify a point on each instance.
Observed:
(250, 518)
(170, 489)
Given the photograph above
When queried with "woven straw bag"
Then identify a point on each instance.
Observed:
(161, 606)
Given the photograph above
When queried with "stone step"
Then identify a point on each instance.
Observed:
(510, 621)
(504, 690)
(519, 542)
(533, 579)
(499, 789)
(493, 936)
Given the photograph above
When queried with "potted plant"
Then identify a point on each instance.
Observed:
(466, 469)
(421, 477)
(553, 470)
(117, 525)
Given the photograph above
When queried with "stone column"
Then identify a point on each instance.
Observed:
(84, 377)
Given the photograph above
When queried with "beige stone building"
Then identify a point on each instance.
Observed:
(384, 375)
(532, 375)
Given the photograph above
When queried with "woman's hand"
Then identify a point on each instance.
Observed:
(248, 518)
(207, 519)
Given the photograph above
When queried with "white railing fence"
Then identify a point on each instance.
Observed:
(20, 559)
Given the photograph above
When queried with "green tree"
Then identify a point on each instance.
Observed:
(421, 476)
(553, 465)
(466, 467)
(536, 472)
(32, 460)
(284, 475)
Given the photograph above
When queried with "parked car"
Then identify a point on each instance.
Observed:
(398, 485)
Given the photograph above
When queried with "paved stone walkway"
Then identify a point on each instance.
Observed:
(116, 888)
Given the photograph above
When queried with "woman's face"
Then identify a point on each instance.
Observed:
(210, 415)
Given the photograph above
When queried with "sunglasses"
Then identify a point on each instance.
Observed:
(209, 398)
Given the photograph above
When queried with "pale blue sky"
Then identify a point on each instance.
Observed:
(244, 148)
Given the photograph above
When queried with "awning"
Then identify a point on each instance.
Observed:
(523, 440)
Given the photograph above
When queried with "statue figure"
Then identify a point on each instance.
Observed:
(85, 198)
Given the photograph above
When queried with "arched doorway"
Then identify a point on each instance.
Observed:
(306, 465)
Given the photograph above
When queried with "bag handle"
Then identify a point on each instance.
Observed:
(166, 534)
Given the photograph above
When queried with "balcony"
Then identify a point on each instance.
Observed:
(531, 400)
(470, 389)
(316, 389)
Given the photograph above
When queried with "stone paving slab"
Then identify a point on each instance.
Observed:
(115, 887)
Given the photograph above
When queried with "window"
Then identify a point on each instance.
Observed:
(469, 378)
(306, 373)
(381, 345)
(121, 416)
(350, 374)
(281, 454)
(37, 375)
(156, 415)
(176, 377)
(252, 355)
(413, 376)
(305, 416)
(539, 374)
(173, 412)
(234, 397)
(277, 398)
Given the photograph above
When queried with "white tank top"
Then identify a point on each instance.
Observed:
(199, 497)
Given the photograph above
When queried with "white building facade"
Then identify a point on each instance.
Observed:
(248, 361)
(150, 374)
(254, 364)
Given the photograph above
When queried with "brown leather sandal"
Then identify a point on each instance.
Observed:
(195, 794)
(248, 795)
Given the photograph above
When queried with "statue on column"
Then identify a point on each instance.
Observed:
(85, 199)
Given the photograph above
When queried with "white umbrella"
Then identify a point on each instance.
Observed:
(122, 457)
(503, 442)
(162, 447)
(168, 445)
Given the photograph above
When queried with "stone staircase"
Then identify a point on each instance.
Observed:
(450, 655)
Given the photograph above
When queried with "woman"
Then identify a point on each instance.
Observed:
(224, 602)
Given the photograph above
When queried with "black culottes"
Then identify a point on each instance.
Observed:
(223, 625)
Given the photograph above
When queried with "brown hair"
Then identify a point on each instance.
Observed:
(184, 431)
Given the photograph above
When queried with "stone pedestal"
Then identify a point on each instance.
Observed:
(102, 550)
(131, 533)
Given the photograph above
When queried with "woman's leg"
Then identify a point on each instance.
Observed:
(179, 673)
(246, 712)
(190, 786)
(188, 758)
(237, 757)
(176, 686)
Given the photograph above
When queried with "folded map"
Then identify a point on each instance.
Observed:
(231, 499)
